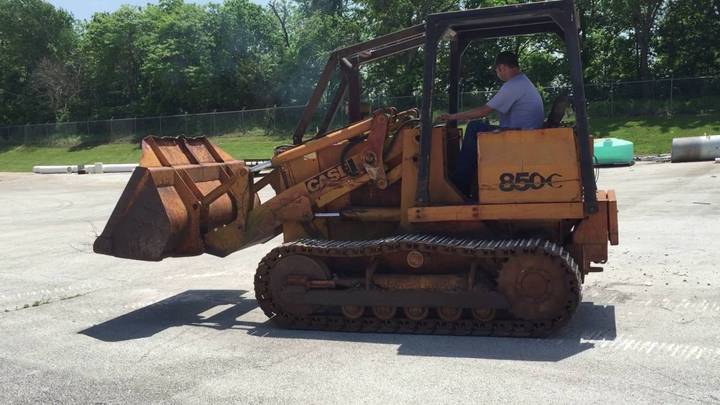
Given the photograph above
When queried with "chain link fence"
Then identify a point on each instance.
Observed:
(652, 98)
(665, 97)
(275, 121)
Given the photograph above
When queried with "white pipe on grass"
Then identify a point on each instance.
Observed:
(97, 168)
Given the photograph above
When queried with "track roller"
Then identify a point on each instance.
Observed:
(353, 311)
(416, 313)
(384, 312)
(449, 314)
(484, 314)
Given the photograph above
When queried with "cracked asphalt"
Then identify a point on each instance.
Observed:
(76, 327)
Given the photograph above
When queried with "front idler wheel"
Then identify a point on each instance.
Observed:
(286, 282)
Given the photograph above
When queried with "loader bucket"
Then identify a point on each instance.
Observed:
(182, 189)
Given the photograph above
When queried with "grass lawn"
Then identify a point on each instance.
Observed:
(23, 158)
(654, 135)
(651, 135)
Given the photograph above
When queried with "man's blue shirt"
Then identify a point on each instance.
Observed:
(519, 104)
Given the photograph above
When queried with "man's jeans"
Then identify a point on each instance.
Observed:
(466, 167)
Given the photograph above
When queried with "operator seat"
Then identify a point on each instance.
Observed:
(557, 112)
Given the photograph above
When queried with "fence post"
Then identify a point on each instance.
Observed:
(111, 131)
(25, 133)
(242, 121)
(671, 96)
(274, 119)
(612, 101)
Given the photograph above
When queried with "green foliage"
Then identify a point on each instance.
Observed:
(30, 31)
(312, 38)
(113, 56)
(333, 7)
(177, 70)
(688, 38)
(178, 57)
(402, 74)
(245, 57)
(607, 40)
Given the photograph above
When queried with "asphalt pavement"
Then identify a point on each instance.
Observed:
(76, 327)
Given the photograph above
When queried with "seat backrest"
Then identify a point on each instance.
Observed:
(557, 112)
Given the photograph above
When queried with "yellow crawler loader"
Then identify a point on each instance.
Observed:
(377, 235)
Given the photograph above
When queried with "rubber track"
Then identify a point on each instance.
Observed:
(423, 243)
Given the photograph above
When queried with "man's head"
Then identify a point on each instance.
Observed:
(506, 66)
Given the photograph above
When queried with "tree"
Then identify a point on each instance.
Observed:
(688, 39)
(607, 40)
(312, 38)
(247, 51)
(327, 7)
(59, 84)
(177, 57)
(400, 75)
(645, 15)
(113, 56)
(30, 31)
(177, 68)
(281, 10)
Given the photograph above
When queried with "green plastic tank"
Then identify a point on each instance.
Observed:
(613, 151)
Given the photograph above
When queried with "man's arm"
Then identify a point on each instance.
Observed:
(468, 115)
(501, 102)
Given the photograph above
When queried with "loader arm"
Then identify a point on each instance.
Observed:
(189, 197)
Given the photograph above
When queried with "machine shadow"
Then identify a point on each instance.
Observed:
(591, 322)
(186, 308)
(224, 309)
